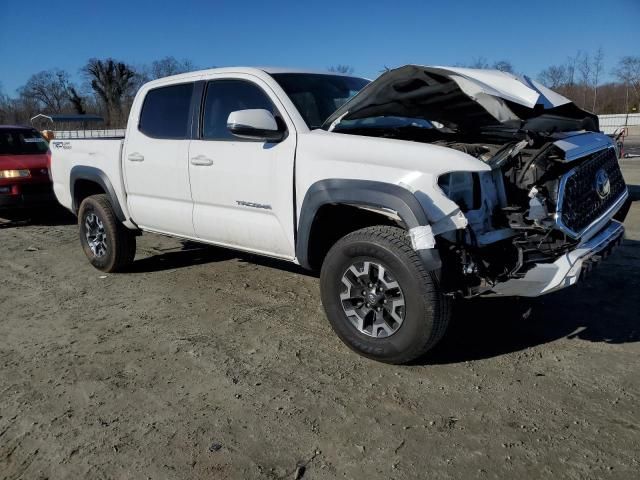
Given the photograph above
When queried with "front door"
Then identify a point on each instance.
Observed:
(242, 190)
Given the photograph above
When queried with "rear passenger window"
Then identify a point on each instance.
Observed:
(226, 96)
(165, 112)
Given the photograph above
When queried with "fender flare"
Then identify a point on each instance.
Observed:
(92, 174)
(360, 192)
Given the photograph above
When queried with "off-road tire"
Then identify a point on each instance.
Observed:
(120, 241)
(426, 313)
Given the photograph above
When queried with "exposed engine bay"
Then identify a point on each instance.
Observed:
(552, 177)
(514, 211)
(516, 216)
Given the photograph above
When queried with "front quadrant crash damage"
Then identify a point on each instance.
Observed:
(553, 175)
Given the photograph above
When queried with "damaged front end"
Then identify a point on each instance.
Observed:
(535, 209)
(552, 203)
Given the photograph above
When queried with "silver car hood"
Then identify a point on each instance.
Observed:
(460, 98)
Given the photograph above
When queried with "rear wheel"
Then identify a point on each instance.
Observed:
(379, 298)
(107, 243)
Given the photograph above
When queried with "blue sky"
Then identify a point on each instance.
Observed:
(365, 34)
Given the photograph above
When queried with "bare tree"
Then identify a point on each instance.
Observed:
(628, 72)
(483, 64)
(76, 100)
(612, 98)
(346, 69)
(168, 66)
(18, 110)
(4, 106)
(52, 91)
(598, 67)
(554, 76)
(113, 82)
(480, 62)
(503, 66)
(571, 69)
(585, 70)
(50, 88)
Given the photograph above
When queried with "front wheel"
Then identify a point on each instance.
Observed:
(107, 243)
(379, 298)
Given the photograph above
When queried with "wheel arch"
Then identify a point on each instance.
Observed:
(383, 199)
(85, 181)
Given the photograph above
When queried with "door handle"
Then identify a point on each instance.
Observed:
(201, 160)
(135, 157)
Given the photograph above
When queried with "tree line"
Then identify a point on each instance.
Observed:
(108, 89)
(580, 79)
(108, 86)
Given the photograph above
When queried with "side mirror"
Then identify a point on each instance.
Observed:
(254, 124)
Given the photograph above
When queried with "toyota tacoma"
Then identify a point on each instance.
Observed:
(423, 186)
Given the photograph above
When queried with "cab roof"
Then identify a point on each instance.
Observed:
(257, 71)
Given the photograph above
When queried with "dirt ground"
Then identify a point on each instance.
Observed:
(203, 363)
(632, 146)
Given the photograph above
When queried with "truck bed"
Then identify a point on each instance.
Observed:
(75, 157)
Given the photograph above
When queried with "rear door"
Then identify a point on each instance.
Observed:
(156, 162)
(242, 190)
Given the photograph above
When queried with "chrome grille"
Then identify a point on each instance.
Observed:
(579, 203)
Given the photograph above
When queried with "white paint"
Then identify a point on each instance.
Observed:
(505, 85)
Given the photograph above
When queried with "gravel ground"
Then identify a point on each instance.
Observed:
(203, 363)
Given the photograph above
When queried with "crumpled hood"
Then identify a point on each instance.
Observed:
(464, 99)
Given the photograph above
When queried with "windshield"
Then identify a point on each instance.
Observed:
(317, 95)
(21, 141)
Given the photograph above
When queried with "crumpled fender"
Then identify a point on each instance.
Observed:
(398, 175)
(376, 195)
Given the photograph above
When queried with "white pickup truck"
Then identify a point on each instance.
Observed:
(427, 184)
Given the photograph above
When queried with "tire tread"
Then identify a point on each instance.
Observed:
(398, 240)
(125, 245)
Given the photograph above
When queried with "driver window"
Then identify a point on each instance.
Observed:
(225, 96)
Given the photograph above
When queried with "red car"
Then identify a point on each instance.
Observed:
(24, 168)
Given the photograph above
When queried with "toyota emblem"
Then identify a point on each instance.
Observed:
(603, 185)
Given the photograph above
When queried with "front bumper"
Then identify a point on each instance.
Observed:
(566, 270)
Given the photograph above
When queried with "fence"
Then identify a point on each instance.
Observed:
(103, 133)
(610, 123)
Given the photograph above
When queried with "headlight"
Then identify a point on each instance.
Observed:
(462, 188)
(14, 173)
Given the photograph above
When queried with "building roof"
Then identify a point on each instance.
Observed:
(16, 127)
(60, 118)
